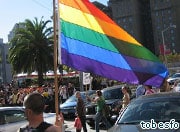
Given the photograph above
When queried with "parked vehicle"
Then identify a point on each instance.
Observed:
(68, 108)
(112, 96)
(173, 78)
(151, 113)
(176, 86)
(12, 118)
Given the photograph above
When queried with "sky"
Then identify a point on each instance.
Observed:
(15, 11)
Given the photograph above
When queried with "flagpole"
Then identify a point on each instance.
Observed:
(55, 59)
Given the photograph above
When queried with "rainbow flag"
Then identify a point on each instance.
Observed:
(91, 42)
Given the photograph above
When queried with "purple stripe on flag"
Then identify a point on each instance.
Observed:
(88, 65)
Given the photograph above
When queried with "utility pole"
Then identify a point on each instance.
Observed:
(164, 46)
(55, 58)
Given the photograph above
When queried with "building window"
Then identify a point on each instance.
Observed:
(7, 59)
(172, 31)
(169, 11)
(170, 18)
(130, 19)
(157, 14)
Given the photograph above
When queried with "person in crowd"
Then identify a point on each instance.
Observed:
(34, 106)
(14, 97)
(140, 90)
(70, 89)
(126, 97)
(78, 124)
(80, 110)
(149, 90)
(103, 83)
(20, 97)
(50, 89)
(99, 111)
(63, 94)
(2, 98)
(2, 102)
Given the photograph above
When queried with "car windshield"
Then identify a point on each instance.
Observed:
(83, 95)
(11, 116)
(159, 110)
(175, 75)
(113, 94)
(178, 85)
(71, 99)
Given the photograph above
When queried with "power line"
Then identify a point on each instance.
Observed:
(42, 5)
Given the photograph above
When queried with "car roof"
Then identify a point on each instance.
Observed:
(160, 95)
(113, 87)
(174, 75)
(11, 108)
(88, 91)
(177, 73)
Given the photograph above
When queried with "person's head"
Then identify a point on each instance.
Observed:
(148, 87)
(124, 89)
(15, 91)
(34, 102)
(99, 93)
(78, 94)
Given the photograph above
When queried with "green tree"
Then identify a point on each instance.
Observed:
(32, 48)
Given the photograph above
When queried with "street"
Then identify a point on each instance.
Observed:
(69, 127)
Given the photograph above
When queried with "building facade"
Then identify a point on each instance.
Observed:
(5, 67)
(165, 24)
(154, 23)
(12, 32)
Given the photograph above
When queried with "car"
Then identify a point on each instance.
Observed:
(12, 118)
(157, 112)
(113, 96)
(176, 86)
(174, 77)
(68, 108)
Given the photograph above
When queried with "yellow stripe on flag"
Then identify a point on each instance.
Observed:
(80, 18)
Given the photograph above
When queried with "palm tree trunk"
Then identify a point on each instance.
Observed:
(40, 75)
(40, 78)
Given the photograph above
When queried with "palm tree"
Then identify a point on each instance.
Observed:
(32, 48)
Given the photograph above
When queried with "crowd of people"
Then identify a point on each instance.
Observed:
(14, 96)
(11, 96)
(145, 90)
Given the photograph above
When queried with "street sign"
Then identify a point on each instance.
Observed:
(86, 78)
